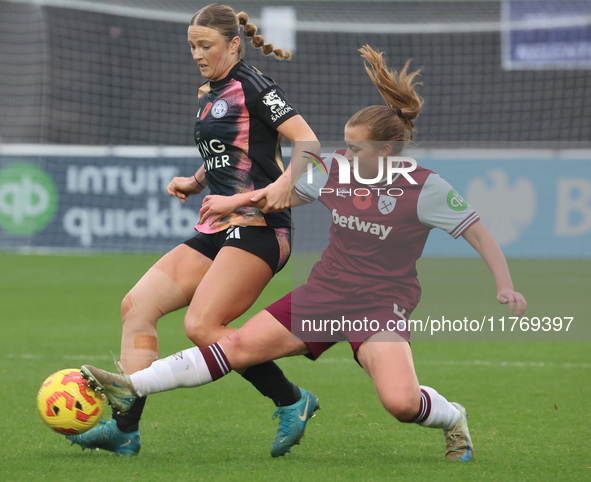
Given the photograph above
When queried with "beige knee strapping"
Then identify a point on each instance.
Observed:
(153, 296)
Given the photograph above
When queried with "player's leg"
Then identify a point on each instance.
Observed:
(267, 339)
(230, 287)
(245, 262)
(242, 268)
(390, 365)
(166, 287)
(262, 338)
(233, 283)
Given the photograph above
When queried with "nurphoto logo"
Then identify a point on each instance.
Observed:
(388, 169)
(393, 165)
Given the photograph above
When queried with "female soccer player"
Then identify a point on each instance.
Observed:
(368, 271)
(241, 117)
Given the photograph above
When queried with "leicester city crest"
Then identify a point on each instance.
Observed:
(219, 108)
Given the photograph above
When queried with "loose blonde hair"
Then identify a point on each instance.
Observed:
(223, 19)
(394, 122)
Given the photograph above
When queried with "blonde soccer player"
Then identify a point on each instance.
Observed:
(241, 116)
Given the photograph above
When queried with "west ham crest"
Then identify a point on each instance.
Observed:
(386, 204)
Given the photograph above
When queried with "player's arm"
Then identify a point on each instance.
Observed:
(278, 194)
(296, 200)
(482, 241)
(215, 207)
(183, 187)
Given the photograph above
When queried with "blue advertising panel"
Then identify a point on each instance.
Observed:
(552, 34)
(535, 203)
(94, 202)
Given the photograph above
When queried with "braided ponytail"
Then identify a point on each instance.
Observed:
(258, 41)
(223, 19)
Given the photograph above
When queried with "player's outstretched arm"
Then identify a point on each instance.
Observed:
(482, 241)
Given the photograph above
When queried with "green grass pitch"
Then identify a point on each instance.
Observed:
(528, 403)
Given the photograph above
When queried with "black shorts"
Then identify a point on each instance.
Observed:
(272, 245)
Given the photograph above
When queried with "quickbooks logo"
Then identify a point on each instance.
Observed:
(455, 201)
(28, 199)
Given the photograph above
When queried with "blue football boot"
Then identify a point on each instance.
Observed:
(105, 435)
(292, 422)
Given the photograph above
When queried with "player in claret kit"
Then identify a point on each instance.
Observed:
(241, 117)
(368, 271)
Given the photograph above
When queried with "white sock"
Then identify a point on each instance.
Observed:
(187, 368)
(436, 411)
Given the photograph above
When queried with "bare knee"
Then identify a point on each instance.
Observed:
(202, 330)
(402, 405)
(139, 325)
(139, 342)
(238, 351)
(126, 306)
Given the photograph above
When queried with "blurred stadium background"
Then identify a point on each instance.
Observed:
(98, 95)
(119, 72)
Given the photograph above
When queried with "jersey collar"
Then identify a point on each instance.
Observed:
(219, 83)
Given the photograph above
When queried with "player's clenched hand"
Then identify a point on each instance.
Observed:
(516, 301)
(215, 207)
(183, 187)
(277, 196)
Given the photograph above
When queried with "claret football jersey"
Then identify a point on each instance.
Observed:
(236, 133)
(378, 231)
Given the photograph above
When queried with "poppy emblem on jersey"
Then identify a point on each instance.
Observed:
(219, 108)
(386, 204)
(362, 202)
(205, 111)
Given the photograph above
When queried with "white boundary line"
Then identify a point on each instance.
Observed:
(55, 150)
(110, 9)
(327, 26)
(469, 363)
(477, 363)
(471, 153)
(503, 364)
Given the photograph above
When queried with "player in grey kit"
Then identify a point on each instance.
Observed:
(367, 271)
